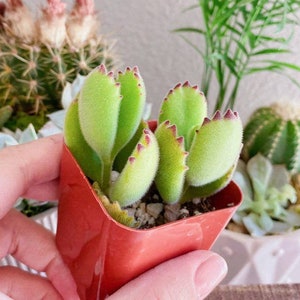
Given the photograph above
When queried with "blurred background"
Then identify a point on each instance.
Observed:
(142, 30)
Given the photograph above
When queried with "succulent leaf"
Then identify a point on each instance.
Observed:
(207, 189)
(114, 209)
(186, 107)
(215, 149)
(122, 157)
(99, 105)
(132, 106)
(172, 165)
(86, 157)
(138, 173)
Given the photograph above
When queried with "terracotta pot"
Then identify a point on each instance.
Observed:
(103, 255)
(260, 260)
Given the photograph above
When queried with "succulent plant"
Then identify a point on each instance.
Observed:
(268, 198)
(188, 155)
(39, 56)
(274, 131)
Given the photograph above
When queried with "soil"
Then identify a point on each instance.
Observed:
(151, 212)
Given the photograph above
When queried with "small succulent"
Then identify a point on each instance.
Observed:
(39, 55)
(187, 156)
(274, 131)
(268, 198)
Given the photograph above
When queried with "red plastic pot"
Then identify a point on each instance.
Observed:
(103, 255)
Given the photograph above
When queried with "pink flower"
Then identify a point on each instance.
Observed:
(55, 8)
(85, 7)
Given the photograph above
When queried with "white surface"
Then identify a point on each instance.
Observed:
(143, 31)
(262, 260)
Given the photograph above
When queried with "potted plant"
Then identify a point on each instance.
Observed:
(134, 194)
(264, 230)
(39, 55)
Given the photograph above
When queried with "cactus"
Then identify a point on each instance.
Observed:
(39, 56)
(269, 199)
(274, 131)
(188, 155)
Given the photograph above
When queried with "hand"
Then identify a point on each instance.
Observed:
(31, 170)
(190, 276)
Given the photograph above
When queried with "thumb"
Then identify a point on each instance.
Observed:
(190, 276)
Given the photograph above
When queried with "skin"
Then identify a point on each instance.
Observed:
(31, 170)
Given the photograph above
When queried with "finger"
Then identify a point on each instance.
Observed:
(25, 285)
(28, 165)
(190, 276)
(35, 246)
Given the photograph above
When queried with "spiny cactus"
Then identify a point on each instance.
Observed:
(188, 155)
(274, 131)
(40, 55)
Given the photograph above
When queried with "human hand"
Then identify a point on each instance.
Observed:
(31, 170)
(190, 276)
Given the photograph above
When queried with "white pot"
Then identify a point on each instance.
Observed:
(261, 260)
(48, 219)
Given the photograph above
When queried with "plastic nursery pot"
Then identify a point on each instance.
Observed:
(103, 255)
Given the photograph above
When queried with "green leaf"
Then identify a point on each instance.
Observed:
(207, 189)
(138, 173)
(170, 176)
(132, 106)
(85, 156)
(186, 107)
(99, 105)
(215, 149)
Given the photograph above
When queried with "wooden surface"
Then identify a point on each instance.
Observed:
(256, 292)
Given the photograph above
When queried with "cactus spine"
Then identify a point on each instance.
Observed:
(39, 56)
(274, 131)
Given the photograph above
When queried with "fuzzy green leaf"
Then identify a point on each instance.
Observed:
(122, 157)
(99, 105)
(132, 106)
(85, 156)
(138, 173)
(209, 188)
(215, 149)
(114, 209)
(172, 167)
(186, 107)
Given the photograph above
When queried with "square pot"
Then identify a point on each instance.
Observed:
(103, 255)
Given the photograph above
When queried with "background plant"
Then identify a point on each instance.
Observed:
(40, 53)
(240, 38)
(269, 200)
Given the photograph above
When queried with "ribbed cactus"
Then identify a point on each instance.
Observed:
(187, 156)
(274, 131)
(40, 55)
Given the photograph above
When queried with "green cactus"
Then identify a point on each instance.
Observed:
(5, 113)
(38, 57)
(274, 131)
(188, 155)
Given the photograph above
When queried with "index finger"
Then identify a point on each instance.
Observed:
(28, 165)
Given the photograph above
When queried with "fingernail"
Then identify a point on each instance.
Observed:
(209, 274)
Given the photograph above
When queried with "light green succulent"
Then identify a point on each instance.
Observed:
(267, 197)
(188, 155)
